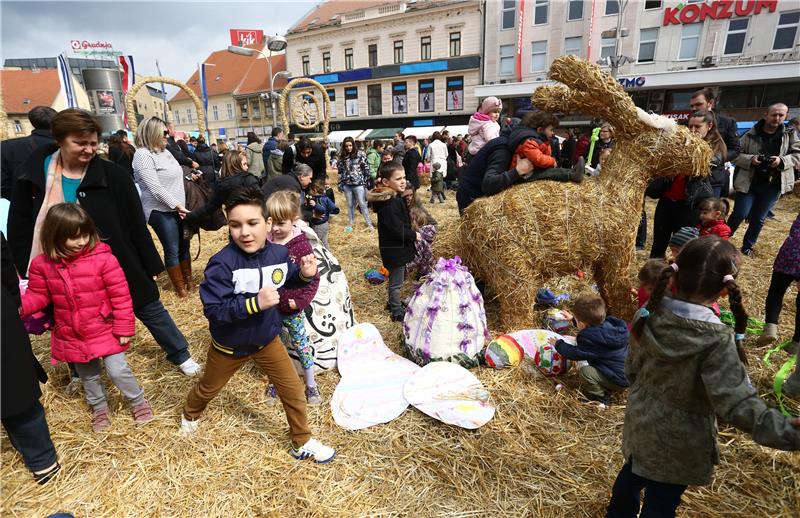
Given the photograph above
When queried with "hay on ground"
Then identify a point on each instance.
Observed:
(544, 454)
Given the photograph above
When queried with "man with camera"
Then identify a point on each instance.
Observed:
(765, 170)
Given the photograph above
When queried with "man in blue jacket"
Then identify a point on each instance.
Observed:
(602, 345)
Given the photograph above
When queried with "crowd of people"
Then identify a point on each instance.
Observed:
(77, 232)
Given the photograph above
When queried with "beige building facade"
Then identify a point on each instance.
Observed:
(391, 65)
(747, 51)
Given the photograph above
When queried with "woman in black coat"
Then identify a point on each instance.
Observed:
(108, 194)
(21, 412)
(306, 153)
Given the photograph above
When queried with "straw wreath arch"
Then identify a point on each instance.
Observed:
(131, 95)
(303, 103)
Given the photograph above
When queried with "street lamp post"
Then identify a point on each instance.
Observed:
(274, 44)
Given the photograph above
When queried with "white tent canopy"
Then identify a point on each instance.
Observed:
(422, 132)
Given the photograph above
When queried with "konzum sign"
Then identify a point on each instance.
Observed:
(716, 10)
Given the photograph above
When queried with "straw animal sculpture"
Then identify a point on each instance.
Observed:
(519, 239)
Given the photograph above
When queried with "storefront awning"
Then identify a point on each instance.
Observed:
(339, 136)
(382, 133)
(422, 132)
(457, 130)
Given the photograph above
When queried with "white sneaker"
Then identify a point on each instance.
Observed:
(189, 427)
(313, 448)
(190, 367)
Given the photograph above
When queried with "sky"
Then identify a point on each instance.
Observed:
(179, 34)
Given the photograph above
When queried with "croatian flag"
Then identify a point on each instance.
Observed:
(128, 79)
(65, 78)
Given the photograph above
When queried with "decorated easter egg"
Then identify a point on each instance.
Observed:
(549, 361)
(558, 320)
(504, 351)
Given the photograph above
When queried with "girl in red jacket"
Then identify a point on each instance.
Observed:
(284, 209)
(92, 308)
(713, 212)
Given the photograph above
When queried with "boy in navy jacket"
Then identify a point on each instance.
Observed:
(602, 345)
(240, 298)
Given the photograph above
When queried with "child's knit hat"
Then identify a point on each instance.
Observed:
(491, 104)
(683, 236)
(437, 166)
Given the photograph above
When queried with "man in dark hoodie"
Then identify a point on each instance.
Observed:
(488, 171)
(208, 161)
(271, 145)
(603, 343)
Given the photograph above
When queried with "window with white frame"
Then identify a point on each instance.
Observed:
(690, 40)
(508, 14)
(243, 110)
(176, 116)
(786, 32)
(612, 7)
(189, 115)
(455, 44)
(539, 56)
(737, 32)
(306, 65)
(398, 52)
(326, 61)
(17, 126)
(652, 5)
(215, 112)
(348, 59)
(506, 60)
(647, 45)
(607, 47)
(425, 48)
(573, 45)
(575, 10)
(229, 109)
(540, 12)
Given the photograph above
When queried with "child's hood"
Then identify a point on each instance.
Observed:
(611, 334)
(679, 329)
(97, 253)
(477, 121)
(380, 195)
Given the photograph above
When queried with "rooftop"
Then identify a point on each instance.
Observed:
(24, 89)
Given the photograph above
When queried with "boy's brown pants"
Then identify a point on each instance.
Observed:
(274, 361)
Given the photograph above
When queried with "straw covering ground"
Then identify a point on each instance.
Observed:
(544, 454)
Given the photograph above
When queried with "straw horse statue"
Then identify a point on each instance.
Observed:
(531, 233)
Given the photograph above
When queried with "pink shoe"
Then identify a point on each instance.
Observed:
(100, 420)
(142, 412)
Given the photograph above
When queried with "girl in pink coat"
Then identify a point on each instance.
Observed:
(92, 308)
(483, 125)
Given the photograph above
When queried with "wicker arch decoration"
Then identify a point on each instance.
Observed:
(302, 105)
(129, 98)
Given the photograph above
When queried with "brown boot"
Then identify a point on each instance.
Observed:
(178, 283)
(186, 270)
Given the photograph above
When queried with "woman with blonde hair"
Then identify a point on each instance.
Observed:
(70, 171)
(234, 175)
(604, 144)
(160, 178)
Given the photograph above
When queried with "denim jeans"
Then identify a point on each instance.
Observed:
(155, 317)
(754, 206)
(30, 436)
(660, 499)
(119, 372)
(169, 229)
(356, 194)
(396, 278)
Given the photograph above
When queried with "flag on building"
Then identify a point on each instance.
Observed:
(128, 79)
(65, 78)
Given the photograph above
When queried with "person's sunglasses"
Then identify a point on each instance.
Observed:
(166, 133)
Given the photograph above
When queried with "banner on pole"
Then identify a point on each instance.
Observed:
(65, 78)
(128, 79)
